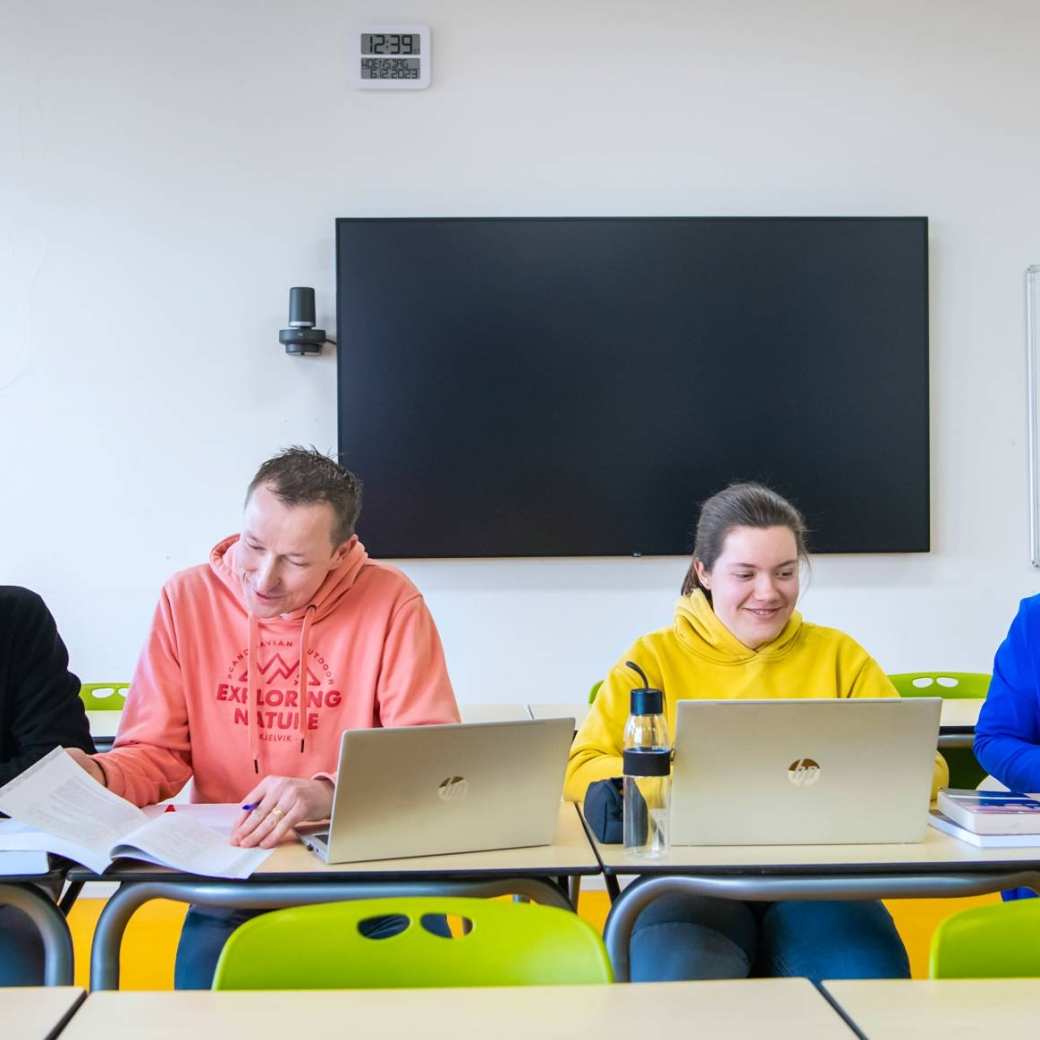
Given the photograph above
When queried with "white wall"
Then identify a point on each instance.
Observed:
(168, 170)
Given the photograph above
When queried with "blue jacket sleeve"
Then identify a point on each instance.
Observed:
(1007, 737)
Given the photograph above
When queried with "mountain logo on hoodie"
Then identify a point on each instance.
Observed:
(277, 667)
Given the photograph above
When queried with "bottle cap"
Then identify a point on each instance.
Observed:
(646, 701)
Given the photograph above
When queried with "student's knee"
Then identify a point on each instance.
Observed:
(684, 937)
(203, 935)
(21, 949)
(834, 939)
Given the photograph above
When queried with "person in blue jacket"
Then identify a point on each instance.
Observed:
(1007, 735)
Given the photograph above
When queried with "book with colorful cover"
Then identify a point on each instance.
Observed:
(982, 841)
(991, 812)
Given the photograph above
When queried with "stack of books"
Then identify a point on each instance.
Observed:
(989, 819)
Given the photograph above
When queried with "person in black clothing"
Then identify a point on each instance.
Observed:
(40, 709)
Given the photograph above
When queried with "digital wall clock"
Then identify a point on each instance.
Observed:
(391, 57)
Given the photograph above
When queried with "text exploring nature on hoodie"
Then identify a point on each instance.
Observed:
(278, 704)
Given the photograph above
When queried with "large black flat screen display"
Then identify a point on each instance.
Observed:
(575, 387)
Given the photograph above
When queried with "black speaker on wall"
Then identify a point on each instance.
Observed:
(301, 337)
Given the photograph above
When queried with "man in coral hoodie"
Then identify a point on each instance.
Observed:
(257, 662)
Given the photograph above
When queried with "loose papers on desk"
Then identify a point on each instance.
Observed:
(75, 816)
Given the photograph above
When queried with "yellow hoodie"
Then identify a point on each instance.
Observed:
(699, 657)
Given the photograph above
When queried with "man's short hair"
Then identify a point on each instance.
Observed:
(302, 476)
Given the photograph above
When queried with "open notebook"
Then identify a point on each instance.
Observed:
(56, 807)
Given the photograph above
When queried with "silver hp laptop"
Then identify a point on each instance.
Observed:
(803, 772)
(427, 790)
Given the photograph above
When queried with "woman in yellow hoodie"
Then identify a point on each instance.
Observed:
(737, 635)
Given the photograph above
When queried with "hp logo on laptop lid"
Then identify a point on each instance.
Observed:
(452, 789)
(803, 772)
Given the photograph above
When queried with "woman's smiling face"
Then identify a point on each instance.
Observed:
(754, 582)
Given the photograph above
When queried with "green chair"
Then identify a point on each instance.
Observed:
(104, 696)
(965, 771)
(988, 942)
(594, 690)
(322, 947)
(951, 685)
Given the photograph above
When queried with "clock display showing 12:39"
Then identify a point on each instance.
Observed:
(391, 57)
(390, 43)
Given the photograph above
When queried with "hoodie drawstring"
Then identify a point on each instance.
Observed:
(252, 698)
(304, 632)
(253, 695)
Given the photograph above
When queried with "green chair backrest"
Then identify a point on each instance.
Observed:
(1001, 941)
(961, 685)
(321, 947)
(104, 696)
(594, 690)
(965, 771)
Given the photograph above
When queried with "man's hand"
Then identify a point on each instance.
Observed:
(280, 803)
(81, 758)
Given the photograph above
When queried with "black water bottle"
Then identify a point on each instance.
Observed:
(647, 771)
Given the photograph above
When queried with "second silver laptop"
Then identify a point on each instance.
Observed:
(429, 790)
(792, 772)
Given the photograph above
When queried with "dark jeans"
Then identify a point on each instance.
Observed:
(698, 937)
(206, 929)
(21, 950)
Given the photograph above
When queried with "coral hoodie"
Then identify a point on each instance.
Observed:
(218, 693)
(699, 657)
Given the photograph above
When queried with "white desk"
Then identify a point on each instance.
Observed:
(946, 1009)
(782, 1009)
(938, 866)
(494, 712)
(956, 722)
(958, 716)
(570, 852)
(576, 710)
(36, 1012)
(103, 727)
(293, 876)
(105, 724)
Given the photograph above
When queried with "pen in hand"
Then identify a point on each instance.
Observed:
(250, 806)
